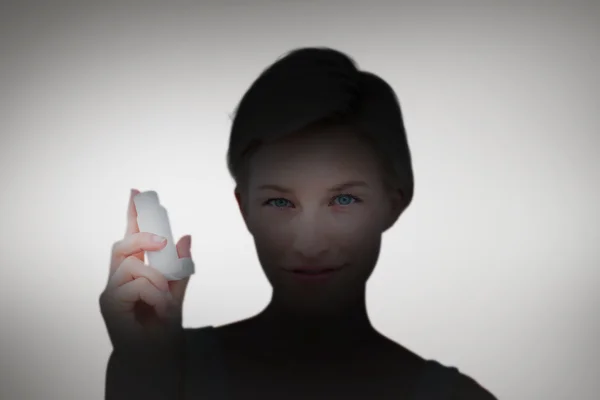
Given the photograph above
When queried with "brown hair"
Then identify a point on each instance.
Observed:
(318, 87)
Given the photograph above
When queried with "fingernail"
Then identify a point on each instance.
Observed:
(159, 239)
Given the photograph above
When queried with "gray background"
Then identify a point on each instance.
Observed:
(494, 268)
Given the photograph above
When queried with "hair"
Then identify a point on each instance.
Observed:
(314, 88)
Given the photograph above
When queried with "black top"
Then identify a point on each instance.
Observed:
(205, 376)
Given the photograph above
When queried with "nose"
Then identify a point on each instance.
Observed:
(310, 243)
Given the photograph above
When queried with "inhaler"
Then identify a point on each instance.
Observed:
(152, 217)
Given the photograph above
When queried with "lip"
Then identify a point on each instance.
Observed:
(312, 273)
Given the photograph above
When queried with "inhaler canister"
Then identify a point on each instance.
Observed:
(152, 217)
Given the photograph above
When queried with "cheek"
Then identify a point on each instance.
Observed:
(358, 223)
(272, 236)
(268, 225)
(360, 240)
(358, 245)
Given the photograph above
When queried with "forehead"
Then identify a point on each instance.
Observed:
(336, 153)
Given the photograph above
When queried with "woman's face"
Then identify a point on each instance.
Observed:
(312, 201)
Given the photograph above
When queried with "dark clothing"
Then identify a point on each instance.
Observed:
(201, 372)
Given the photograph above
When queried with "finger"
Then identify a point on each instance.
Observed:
(179, 287)
(184, 246)
(132, 225)
(131, 269)
(142, 290)
(135, 245)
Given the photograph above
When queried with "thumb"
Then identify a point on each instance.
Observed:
(179, 287)
(184, 246)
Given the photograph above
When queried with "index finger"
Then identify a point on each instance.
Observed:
(132, 225)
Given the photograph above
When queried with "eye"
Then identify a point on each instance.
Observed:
(346, 199)
(340, 200)
(278, 202)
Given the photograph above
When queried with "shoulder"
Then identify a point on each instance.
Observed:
(210, 339)
(436, 380)
(203, 351)
(202, 339)
(441, 381)
(467, 388)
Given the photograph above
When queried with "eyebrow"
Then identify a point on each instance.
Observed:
(336, 188)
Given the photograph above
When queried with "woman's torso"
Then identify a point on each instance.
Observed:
(217, 367)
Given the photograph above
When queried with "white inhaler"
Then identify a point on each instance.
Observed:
(152, 217)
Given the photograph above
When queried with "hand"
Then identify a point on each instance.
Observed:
(140, 307)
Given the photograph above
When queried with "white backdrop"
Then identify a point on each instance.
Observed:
(493, 268)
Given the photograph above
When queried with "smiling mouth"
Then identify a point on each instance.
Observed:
(313, 273)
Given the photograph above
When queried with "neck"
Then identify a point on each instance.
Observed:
(334, 330)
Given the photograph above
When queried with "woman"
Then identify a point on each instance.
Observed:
(322, 168)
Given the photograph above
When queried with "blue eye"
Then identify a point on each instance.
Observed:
(346, 199)
(278, 203)
(340, 200)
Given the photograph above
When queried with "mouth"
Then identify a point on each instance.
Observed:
(313, 273)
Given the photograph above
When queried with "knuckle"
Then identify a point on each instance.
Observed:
(153, 273)
(131, 262)
(143, 283)
(138, 238)
(107, 300)
(126, 266)
(115, 247)
(102, 298)
(120, 293)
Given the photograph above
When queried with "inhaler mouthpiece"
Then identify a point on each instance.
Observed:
(153, 218)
